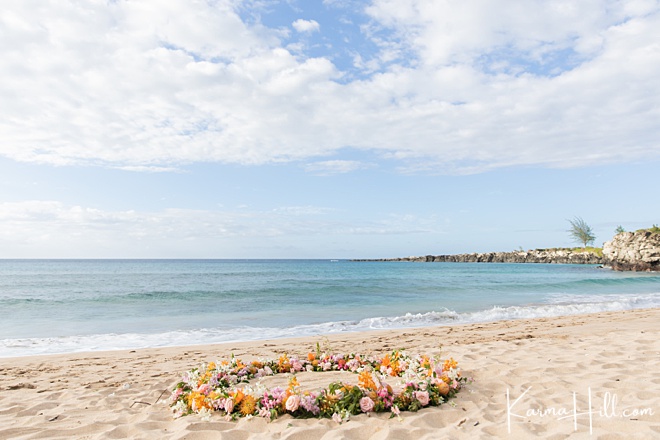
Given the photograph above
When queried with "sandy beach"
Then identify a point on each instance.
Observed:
(584, 376)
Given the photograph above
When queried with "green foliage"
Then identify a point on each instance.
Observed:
(589, 249)
(654, 229)
(619, 229)
(581, 232)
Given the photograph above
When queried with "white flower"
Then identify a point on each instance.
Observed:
(292, 403)
(179, 409)
(205, 414)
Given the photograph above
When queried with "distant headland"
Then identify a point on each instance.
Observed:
(630, 251)
(558, 256)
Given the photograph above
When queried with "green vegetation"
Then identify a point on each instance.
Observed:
(588, 249)
(619, 229)
(581, 232)
(654, 229)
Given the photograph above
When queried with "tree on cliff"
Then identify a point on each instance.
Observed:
(581, 232)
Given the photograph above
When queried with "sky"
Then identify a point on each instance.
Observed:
(324, 128)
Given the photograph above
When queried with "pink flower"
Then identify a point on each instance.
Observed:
(296, 365)
(422, 397)
(395, 410)
(292, 403)
(366, 404)
(229, 405)
(336, 417)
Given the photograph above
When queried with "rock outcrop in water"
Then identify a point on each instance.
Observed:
(636, 251)
(558, 256)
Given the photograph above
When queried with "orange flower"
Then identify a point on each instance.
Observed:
(449, 364)
(197, 401)
(443, 388)
(204, 378)
(366, 381)
(238, 397)
(293, 382)
(284, 364)
(311, 356)
(386, 361)
(248, 405)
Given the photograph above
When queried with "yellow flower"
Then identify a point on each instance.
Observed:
(329, 402)
(248, 405)
(293, 382)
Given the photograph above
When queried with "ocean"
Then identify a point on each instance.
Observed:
(64, 306)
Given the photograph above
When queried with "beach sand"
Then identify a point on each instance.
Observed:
(547, 366)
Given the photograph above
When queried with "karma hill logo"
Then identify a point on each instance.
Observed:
(517, 410)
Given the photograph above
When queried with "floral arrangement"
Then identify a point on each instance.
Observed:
(223, 386)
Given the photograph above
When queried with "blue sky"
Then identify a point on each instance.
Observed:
(323, 129)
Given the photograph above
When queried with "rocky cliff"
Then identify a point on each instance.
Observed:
(638, 251)
(559, 256)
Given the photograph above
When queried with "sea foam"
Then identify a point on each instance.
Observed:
(561, 305)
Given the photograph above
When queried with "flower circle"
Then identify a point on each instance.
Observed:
(417, 382)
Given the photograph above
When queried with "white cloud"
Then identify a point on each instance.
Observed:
(459, 86)
(52, 229)
(301, 25)
(330, 167)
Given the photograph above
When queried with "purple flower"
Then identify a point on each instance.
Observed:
(308, 402)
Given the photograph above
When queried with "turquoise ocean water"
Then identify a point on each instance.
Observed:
(59, 306)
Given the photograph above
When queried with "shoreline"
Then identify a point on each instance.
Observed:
(447, 318)
(541, 362)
